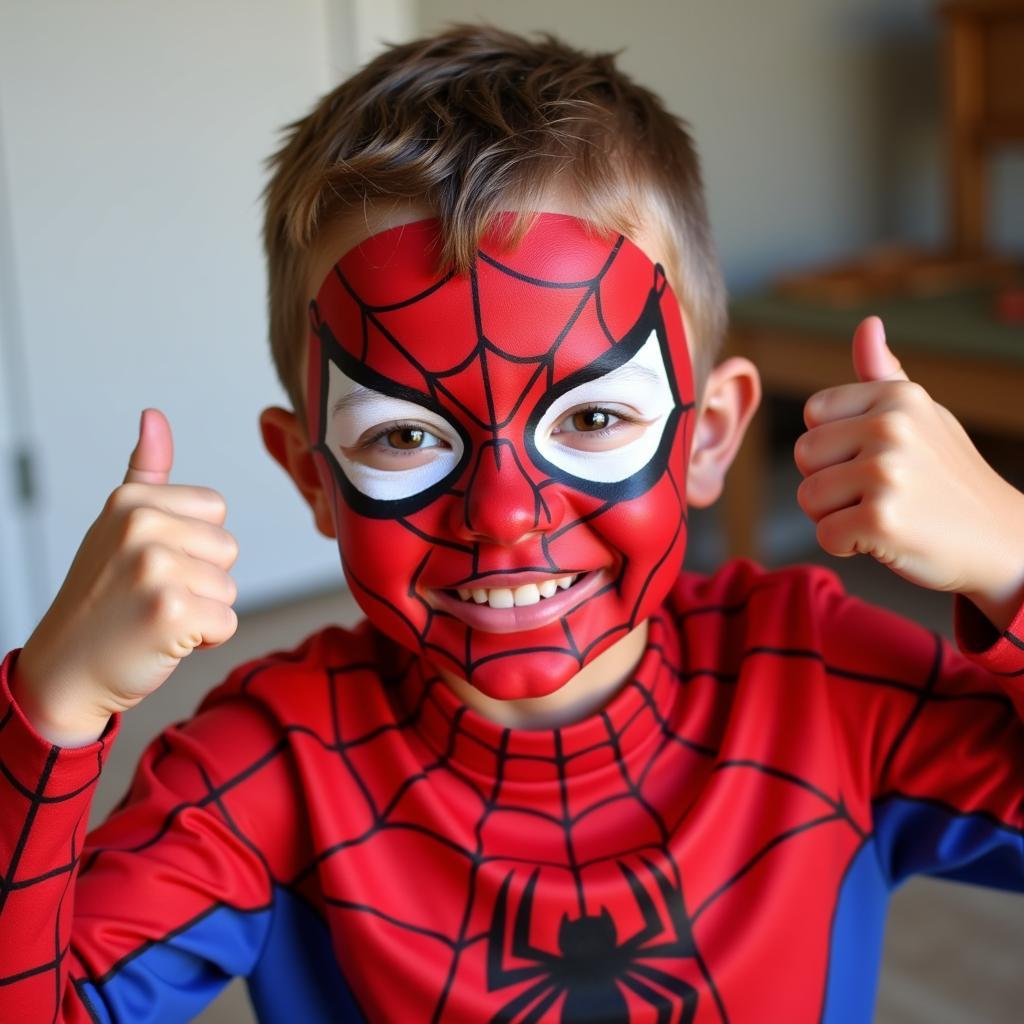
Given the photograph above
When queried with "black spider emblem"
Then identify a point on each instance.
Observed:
(591, 964)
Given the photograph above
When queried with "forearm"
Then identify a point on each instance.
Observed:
(47, 793)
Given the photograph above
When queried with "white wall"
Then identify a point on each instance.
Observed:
(133, 137)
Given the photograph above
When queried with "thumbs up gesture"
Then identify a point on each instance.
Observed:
(148, 586)
(890, 473)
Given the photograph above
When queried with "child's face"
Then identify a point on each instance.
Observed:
(504, 453)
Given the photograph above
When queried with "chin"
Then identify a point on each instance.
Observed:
(538, 665)
(524, 676)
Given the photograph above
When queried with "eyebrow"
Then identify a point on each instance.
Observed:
(630, 371)
(627, 374)
(359, 395)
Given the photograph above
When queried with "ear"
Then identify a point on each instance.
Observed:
(732, 394)
(285, 439)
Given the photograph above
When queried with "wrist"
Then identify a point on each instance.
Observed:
(997, 589)
(1001, 599)
(63, 722)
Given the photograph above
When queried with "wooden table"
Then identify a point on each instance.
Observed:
(951, 345)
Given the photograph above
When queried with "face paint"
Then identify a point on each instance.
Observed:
(505, 451)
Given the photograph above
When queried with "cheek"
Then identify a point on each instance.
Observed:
(646, 535)
(381, 561)
(646, 527)
(380, 552)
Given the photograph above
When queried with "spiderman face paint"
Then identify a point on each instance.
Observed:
(505, 451)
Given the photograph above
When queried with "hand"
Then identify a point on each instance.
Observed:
(891, 473)
(148, 585)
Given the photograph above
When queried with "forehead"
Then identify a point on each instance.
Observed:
(558, 301)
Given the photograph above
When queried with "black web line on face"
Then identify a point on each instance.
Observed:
(545, 361)
(679, 532)
(599, 312)
(498, 445)
(474, 286)
(469, 664)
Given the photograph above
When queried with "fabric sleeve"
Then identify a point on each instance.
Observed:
(152, 914)
(932, 737)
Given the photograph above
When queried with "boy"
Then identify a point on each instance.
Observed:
(549, 779)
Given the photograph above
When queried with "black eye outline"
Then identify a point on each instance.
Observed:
(647, 476)
(377, 508)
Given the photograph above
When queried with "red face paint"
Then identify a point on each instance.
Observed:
(457, 425)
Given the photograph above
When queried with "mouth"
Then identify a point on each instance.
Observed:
(508, 608)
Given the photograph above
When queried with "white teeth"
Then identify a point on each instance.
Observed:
(500, 597)
(518, 597)
(527, 594)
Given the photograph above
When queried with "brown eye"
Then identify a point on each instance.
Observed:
(590, 419)
(406, 438)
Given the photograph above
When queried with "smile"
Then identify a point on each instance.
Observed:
(517, 597)
(530, 605)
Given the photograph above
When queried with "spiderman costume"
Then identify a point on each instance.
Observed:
(716, 844)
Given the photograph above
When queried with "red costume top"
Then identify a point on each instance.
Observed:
(717, 844)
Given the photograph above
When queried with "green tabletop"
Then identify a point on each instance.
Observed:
(960, 324)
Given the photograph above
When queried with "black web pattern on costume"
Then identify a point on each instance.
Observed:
(40, 803)
(385, 817)
(629, 789)
(488, 354)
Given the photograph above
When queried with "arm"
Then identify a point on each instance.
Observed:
(932, 739)
(160, 906)
(148, 585)
(890, 473)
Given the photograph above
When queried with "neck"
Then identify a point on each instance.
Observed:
(584, 694)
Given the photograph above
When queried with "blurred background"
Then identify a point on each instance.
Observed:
(132, 141)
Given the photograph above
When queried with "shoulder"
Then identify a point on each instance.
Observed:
(265, 739)
(744, 608)
(299, 683)
(744, 589)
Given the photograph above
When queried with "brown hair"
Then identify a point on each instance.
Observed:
(477, 120)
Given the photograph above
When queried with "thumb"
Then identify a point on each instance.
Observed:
(151, 460)
(872, 357)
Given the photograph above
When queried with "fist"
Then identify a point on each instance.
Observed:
(148, 586)
(890, 473)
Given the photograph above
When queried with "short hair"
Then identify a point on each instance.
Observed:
(473, 121)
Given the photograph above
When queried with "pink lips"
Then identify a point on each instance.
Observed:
(531, 616)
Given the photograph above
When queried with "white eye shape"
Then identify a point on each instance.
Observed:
(354, 413)
(640, 385)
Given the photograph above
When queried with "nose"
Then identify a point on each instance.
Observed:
(502, 504)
